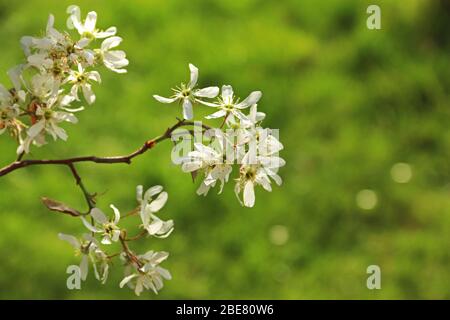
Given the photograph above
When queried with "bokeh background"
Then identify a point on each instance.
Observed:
(363, 115)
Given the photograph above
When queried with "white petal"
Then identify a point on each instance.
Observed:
(36, 129)
(139, 192)
(91, 21)
(90, 226)
(209, 92)
(192, 166)
(264, 181)
(116, 214)
(194, 76)
(249, 194)
(218, 114)
(88, 93)
(70, 239)
(159, 202)
(50, 22)
(127, 279)
(207, 152)
(227, 93)
(106, 240)
(164, 100)
(188, 113)
(74, 19)
(138, 289)
(203, 189)
(99, 216)
(250, 100)
(15, 76)
(111, 31)
(152, 192)
(208, 104)
(94, 76)
(116, 235)
(84, 267)
(82, 43)
(154, 227)
(111, 43)
(164, 273)
(60, 132)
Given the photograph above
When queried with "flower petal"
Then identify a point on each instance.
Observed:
(218, 114)
(111, 43)
(164, 100)
(188, 113)
(152, 192)
(249, 194)
(116, 214)
(36, 129)
(227, 93)
(139, 192)
(209, 92)
(70, 239)
(194, 76)
(99, 216)
(91, 21)
(84, 267)
(88, 93)
(127, 279)
(89, 226)
(252, 99)
(159, 202)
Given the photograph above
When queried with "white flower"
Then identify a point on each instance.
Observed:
(108, 228)
(250, 122)
(88, 247)
(49, 116)
(187, 94)
(10, 101)
(44, 86)
(114, 60)
(251, 175)
(256, 169)
(100, 262)
(87, 29)
(150, 275)
(215, 162)
(259, 165)
(80, 79)
(9, 110)
(8, 115)
(151, 202)
(51, 52)
(83, 247)
(229, 105)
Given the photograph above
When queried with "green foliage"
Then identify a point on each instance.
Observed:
(349, 102)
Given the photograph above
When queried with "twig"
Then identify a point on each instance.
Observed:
(104, 160)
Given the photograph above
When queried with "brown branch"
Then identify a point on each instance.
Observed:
(127, 250)
(90, 198)
(138, 236)
(104, 160)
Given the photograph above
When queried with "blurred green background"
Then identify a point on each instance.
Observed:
(350, 104)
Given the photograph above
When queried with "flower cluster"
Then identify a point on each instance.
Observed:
(240, 140)
(141, 271)
(49, 88)
(58, 72)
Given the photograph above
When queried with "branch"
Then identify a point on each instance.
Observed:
(105, 160)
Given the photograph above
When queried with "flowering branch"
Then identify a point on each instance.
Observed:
(58, 70)
(104, 160)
